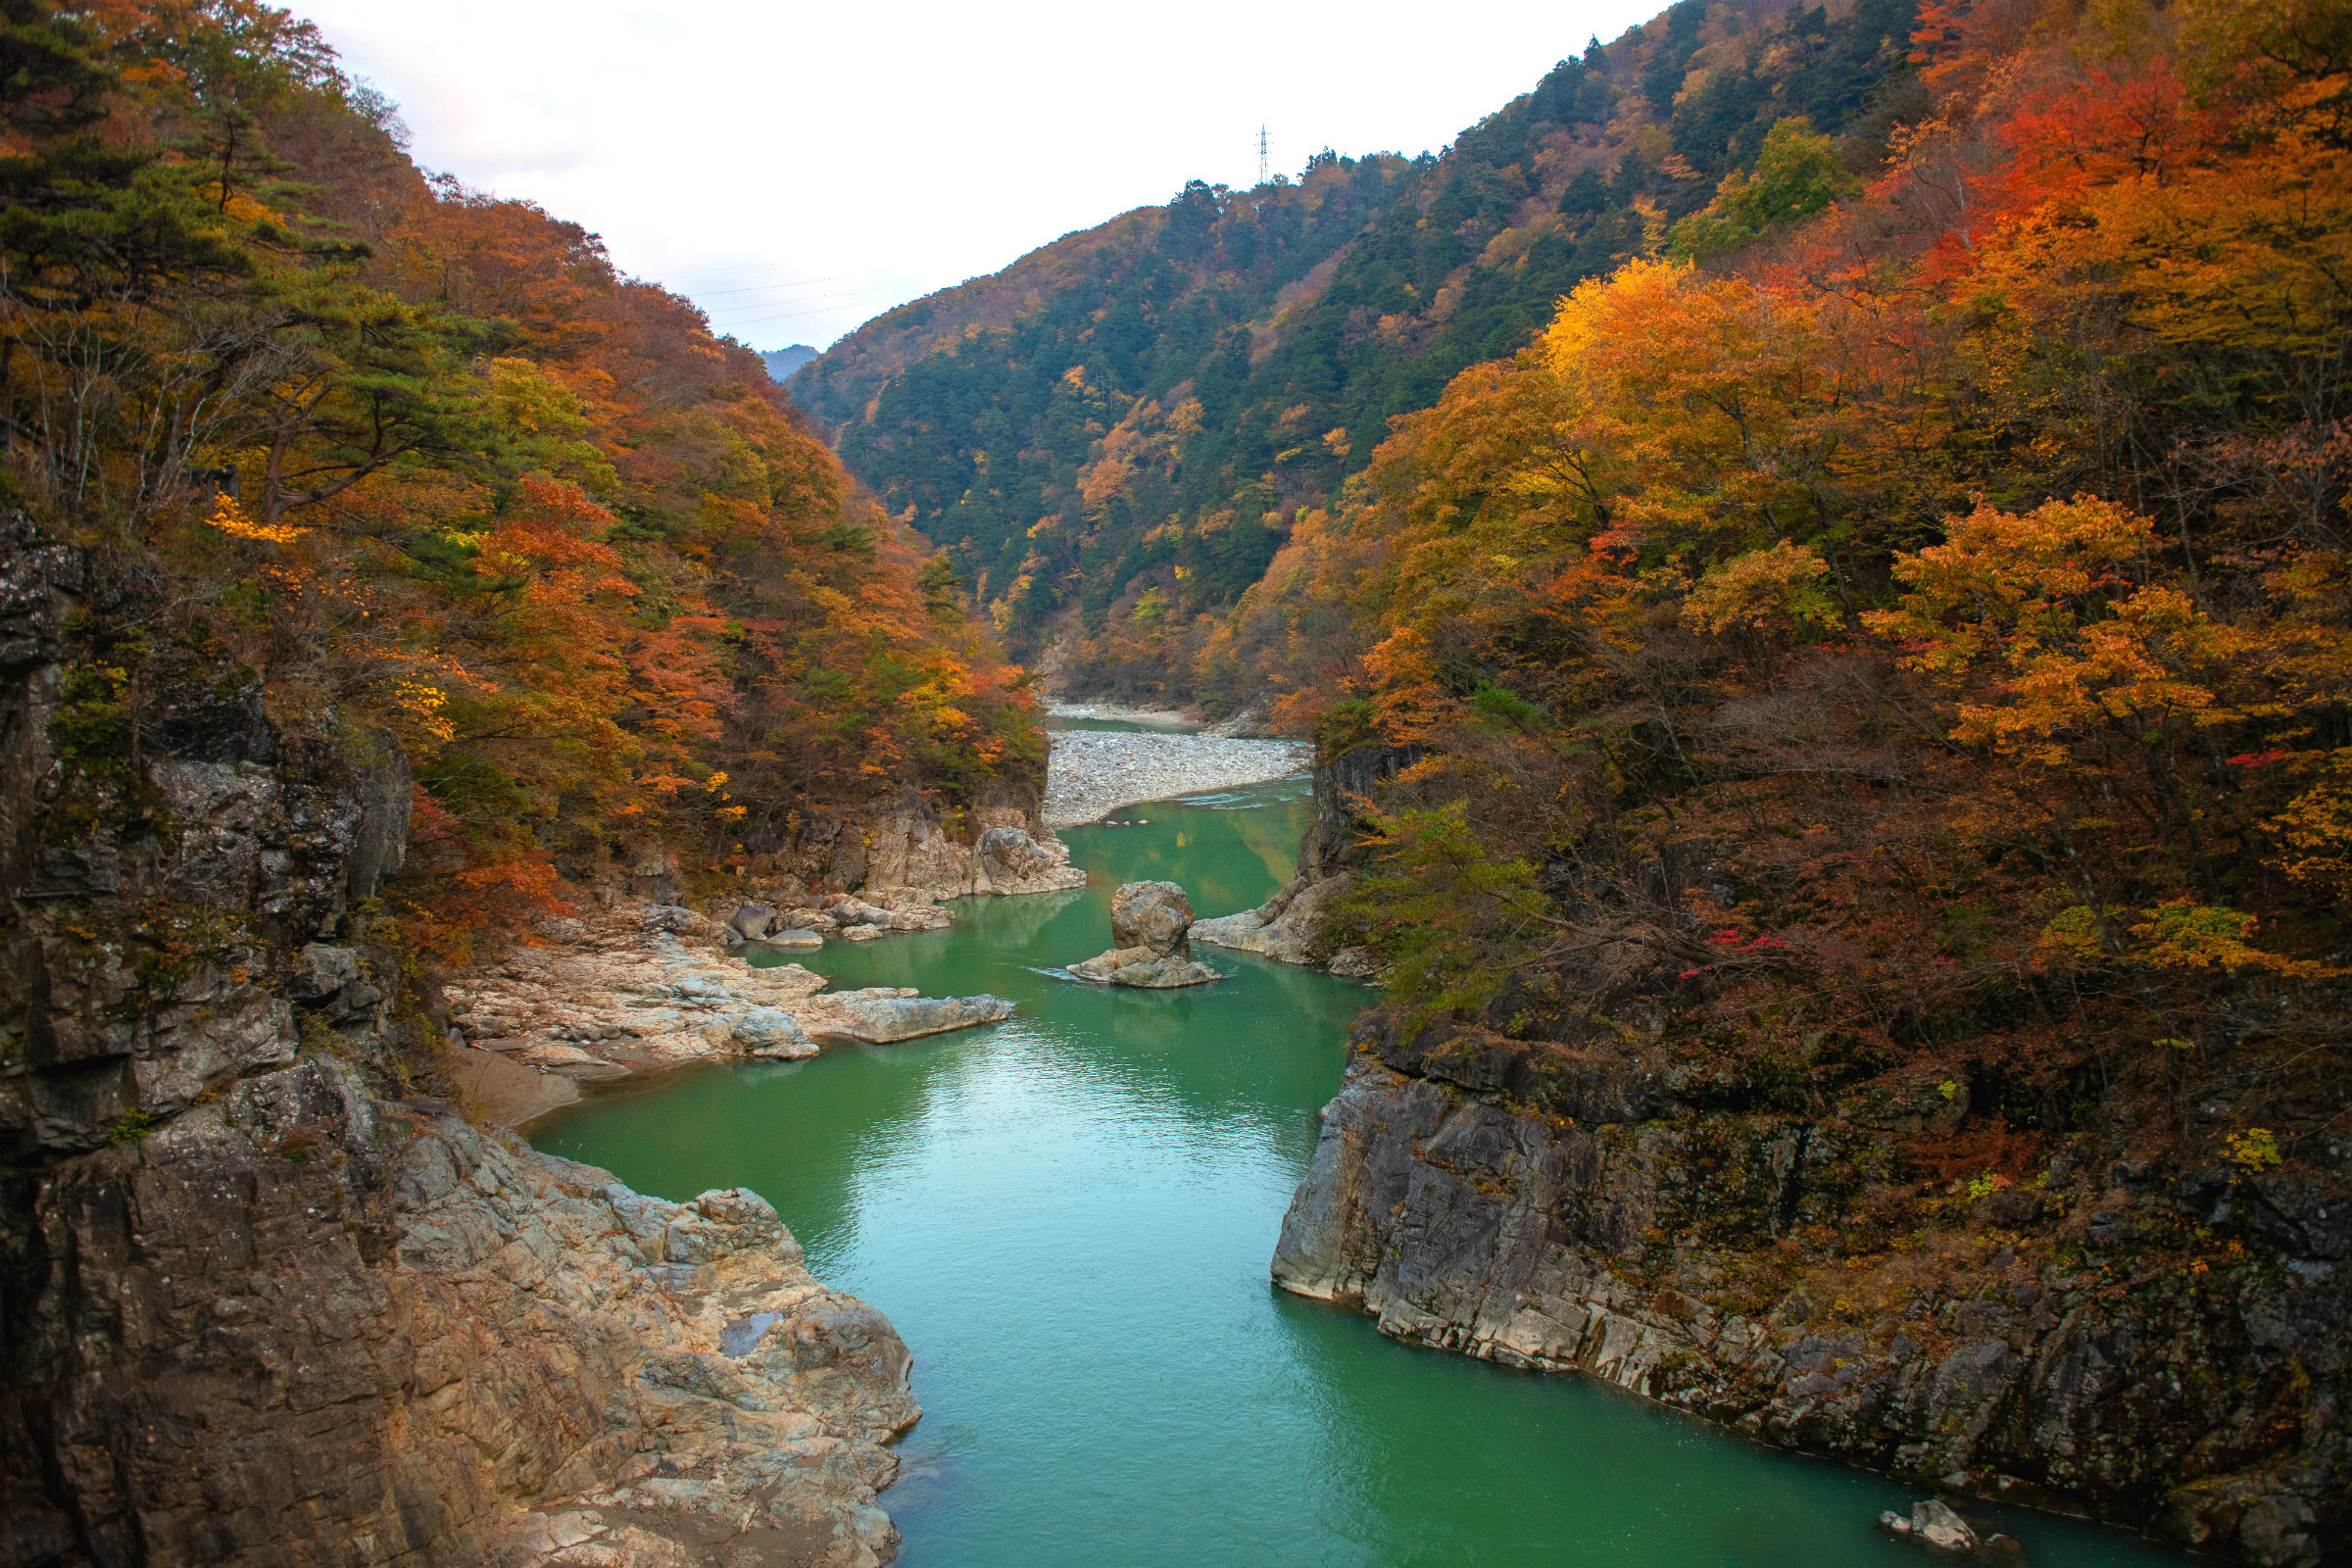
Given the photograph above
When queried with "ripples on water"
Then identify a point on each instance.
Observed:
(1068, 1216)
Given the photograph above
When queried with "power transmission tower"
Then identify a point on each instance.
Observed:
(1261, 155)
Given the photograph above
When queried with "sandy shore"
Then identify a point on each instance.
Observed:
(1091, 772)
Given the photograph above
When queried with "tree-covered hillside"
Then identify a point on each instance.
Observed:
(1129, 422)
(420, 468)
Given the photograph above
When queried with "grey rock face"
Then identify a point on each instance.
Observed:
(1010, 856)
(653, 875)
(1145, 970)
(262, 1310)
(772, 1033)
(906, 851)
(882, 1014)
(1567, 1209)
(1287, 928)
(1151, 914)
(752, 919)
(453, 1287)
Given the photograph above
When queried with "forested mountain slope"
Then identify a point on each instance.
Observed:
(1854, 728)
(1128, 422)
(420, 461)
(385, 583)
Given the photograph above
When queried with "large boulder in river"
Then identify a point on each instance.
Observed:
(1143, 969)
(773, 1033)
(1151, 914)
(883, 1014)
(1935, 1525)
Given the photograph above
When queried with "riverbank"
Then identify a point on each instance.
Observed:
(632, 988)
(1137, 1149)
(1091, 773)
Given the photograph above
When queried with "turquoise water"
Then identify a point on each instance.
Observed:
(1068, 1216)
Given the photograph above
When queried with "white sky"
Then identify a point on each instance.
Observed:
(799, 168)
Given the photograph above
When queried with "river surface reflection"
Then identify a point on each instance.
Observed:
(1068, 1216)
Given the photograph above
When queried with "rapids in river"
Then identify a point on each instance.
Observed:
(1070, 1215)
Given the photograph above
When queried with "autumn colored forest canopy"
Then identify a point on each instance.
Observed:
(1843, 517)
(1912, 644)
(1112, 437)
(428, 469)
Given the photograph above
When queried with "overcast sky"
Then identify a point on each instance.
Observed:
(796, 170)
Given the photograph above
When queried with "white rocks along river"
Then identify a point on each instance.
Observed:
(1092, 773)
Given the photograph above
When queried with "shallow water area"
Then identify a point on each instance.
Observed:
(1070, 1215)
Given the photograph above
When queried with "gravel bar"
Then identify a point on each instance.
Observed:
(1090, 773)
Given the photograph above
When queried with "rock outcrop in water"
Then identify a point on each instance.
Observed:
(1606, 1211)
(1291, 927)
(634, 988)
(1149, 950)
(1287, 927)
(886, 1015)
(266, 1303)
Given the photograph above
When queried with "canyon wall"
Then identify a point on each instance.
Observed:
(2161, 1344)
(265, 1297)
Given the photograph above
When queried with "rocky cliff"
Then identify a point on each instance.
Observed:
(1294, 925)
(266, 1298)
(2161, 1344)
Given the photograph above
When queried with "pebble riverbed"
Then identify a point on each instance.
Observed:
(1091, 772)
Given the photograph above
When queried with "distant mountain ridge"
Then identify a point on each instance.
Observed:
(782, 362)
(1124, 424)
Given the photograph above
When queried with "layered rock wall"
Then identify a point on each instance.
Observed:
(2062, 1340)
(262, 1302)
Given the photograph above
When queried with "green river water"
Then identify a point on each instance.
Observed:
(1068, 1216)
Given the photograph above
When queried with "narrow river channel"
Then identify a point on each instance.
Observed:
(1068, 1216)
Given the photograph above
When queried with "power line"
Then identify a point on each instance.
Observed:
(1261, 155)
(762, 288)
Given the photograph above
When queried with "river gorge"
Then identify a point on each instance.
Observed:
(1068, 1217)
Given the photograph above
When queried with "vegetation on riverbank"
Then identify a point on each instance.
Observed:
(1888, 686)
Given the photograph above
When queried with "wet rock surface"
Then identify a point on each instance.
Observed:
(884, 1015)
(1935, 1525)
(1143, 969)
